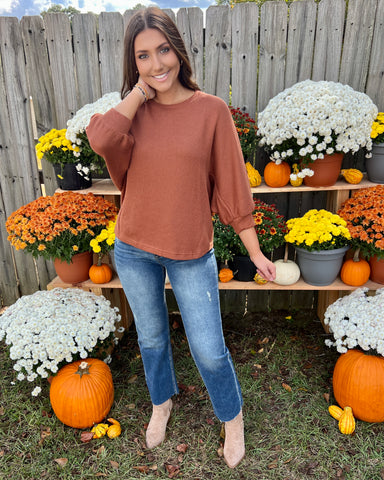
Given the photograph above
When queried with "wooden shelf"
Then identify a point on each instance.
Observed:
(105, 186)
(231, 285)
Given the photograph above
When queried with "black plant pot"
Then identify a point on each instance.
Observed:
(243, 268)
(69, 179)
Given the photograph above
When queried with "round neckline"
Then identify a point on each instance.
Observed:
(174, 105)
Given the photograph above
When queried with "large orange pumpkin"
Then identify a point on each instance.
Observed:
(82, 393)
(358, 382)
(277, 175)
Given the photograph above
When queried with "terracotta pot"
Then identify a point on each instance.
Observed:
(377, 269)
(77, 270)
(327, 171)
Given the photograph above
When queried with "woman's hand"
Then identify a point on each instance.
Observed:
(151, 93)
(265, 267)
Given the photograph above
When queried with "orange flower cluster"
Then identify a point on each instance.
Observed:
(59, 226)
(364, 214)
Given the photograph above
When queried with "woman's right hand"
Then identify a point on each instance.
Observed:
(151, 93)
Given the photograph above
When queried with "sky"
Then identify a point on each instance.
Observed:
(19, 8)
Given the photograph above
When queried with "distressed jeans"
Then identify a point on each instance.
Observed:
(195, 285)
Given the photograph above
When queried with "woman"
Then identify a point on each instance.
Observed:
(174, 153)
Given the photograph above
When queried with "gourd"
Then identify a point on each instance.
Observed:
(100, 430)
(335, 411)
(299, 180)
(355, 271)
(81, 393)
(225, 275)
(352, 175)
(259, 279)
(277, 174)
(347, 422)
(100, 273)
(287, 271)
(253, 175)
(114, 430)
(358, 382)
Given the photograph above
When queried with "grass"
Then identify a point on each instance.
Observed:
(286, 376)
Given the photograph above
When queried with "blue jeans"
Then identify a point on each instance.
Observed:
(195, 285)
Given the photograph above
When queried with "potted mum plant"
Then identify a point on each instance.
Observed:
(229, 249)
(247, 132)
(48, 329)
(321, 239)
(60, 227)
(364, 216)
(314, 124)
(375, 163)
(356, 322)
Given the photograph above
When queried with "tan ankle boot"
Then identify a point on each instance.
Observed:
(158, 424)
(234, 448)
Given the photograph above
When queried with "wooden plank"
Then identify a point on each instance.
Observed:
(40, 86)
(245, 27)
(111, 35)
(190, 24)
(301, 40)
(218, 51)
(273, 34)
(84, 30)
(375, 81)
(329, 40)
(59, 39)
(357, 43)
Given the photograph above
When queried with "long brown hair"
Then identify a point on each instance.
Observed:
(153, 17)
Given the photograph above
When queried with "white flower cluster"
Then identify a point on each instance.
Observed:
(51, 327)
(305, 121)
(357, 320)
(81, 119)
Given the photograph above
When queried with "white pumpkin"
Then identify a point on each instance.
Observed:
(287, 272)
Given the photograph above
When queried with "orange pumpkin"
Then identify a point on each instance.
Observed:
(277, 175)
(81, 393)
(225, 275)
(100, 273)
(355, 271)
(358, 382)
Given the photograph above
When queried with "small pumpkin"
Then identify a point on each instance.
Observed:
(287, 271)
(100, 273)
(225, 275)
(114, 430)
(81, 393)
(352, 175)
(294, 179)
(335, 411)
(347, 422)
(253, 175)
(355, 271)
(277, 174)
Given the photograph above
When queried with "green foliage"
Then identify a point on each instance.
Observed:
(55, 8)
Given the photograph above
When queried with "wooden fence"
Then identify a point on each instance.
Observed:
(245, 55)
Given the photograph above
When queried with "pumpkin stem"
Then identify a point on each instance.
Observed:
(356, 257)
(286, 253)
(83, 369)
(99, 258)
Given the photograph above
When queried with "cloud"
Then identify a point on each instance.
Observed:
(7, 6)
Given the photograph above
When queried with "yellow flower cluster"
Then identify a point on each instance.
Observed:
(377, 133)
(105, 240)
(54, 138)
(318, 230)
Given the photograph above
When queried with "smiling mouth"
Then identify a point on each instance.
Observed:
(160, 77)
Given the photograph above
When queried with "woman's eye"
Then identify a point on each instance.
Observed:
(142, 56)
(165, 50)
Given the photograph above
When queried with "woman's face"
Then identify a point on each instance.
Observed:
(156, 62)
